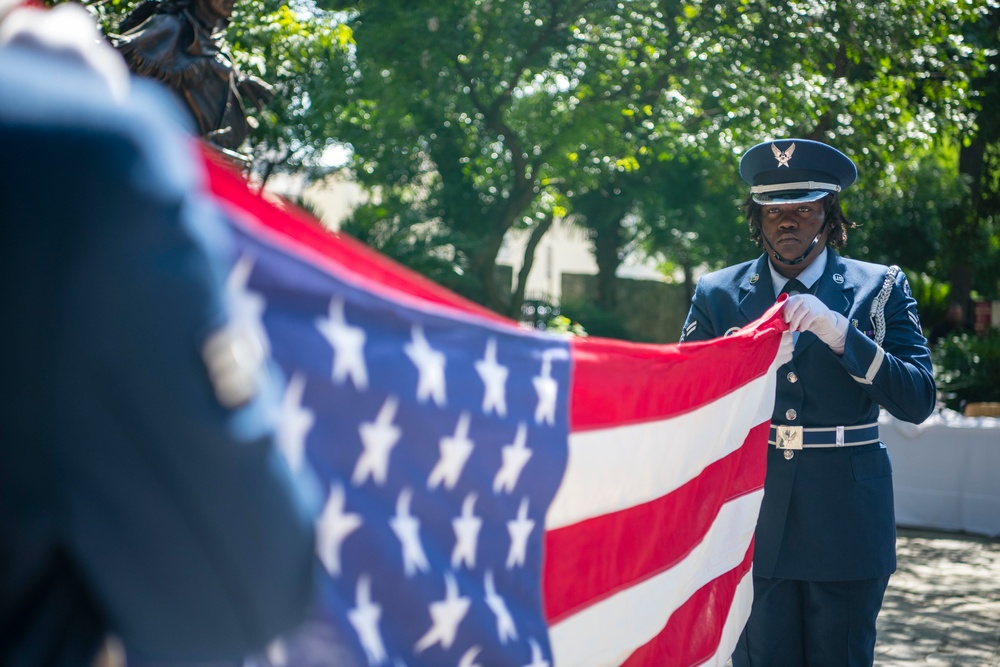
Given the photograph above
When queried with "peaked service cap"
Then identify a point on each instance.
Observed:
(788, 171)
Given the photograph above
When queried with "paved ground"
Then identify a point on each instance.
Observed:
(943, 604)
(942, 608)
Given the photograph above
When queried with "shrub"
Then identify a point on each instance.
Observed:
(563, 325)
(967, 368)
(595, 320)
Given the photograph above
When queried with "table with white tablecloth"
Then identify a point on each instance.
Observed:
(946, 471)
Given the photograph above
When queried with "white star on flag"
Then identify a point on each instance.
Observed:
(519, 530)
(277, 654)
(547, 389)
(455, 450)
(468, 658)
(295, 422)
(332, 528)
(348, 344)
(494, 377)
(505, 622)
(430, 365)
(365, 617)
(466, 534)
(537, 660)
(407, 529)
(378, 439)
(249, 305)
(515, 457)
(446, 615)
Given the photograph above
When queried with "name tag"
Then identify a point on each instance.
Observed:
(788, 437)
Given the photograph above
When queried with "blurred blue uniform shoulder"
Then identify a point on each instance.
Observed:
(137, 496)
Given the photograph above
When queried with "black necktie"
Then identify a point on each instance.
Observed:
(793, 286)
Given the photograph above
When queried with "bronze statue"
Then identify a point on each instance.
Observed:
(180, 42)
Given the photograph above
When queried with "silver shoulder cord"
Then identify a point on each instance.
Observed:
(882, 298)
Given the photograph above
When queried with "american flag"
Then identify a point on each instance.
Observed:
(495, 495)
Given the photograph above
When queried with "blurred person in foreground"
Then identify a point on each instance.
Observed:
(826, 534)
(142, 496)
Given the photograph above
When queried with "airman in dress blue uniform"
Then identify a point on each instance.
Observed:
(142, 494)
(825, 538)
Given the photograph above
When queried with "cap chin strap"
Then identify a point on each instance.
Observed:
(801, 258)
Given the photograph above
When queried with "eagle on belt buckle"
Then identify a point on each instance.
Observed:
(788, 437)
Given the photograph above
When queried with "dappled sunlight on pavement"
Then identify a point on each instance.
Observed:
(943, 604)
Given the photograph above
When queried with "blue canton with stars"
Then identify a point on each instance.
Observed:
(439, 443)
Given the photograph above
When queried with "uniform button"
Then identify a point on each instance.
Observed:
(791, 414)
(789, 454)
(792, 377)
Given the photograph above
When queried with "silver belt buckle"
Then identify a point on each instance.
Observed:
(788, 437)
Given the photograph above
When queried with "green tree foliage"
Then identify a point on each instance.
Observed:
(298, 51)
(972, 248)
(485, 117)
(967, 369)
(469, 119)
(491, 116)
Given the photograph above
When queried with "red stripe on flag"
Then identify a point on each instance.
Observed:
(613, 379)
(595, 558)
(693, 632)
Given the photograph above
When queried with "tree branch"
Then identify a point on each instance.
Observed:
(517, 298)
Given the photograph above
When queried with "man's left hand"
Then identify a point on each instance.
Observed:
(804, 312)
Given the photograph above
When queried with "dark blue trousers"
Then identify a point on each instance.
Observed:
(811, 623)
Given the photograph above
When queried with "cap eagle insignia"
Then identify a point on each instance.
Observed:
(783, 157)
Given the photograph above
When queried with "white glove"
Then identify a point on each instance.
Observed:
(804, 312)
(785, 349)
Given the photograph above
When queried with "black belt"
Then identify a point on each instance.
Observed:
(784, 436)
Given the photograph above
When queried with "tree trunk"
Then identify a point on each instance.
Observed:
(521, 196)
(688, 281)
(962, 230)
(607, 244)
(484, 270)
(517, 298)
(603, 211)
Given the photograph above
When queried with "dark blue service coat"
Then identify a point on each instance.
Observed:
(827, 514)
(132, 500)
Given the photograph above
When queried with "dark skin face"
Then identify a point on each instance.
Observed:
(790, 228)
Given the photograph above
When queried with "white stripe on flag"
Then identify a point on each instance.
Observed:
(607, 632)
(648, 461)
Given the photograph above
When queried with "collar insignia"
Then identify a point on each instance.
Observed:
(754, 278)
(783, 156)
